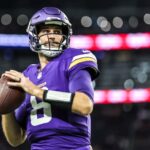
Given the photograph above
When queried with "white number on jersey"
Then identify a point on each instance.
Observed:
(47, 114)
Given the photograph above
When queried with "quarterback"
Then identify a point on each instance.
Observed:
(55, 114)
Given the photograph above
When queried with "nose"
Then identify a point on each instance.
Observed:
(51, 36)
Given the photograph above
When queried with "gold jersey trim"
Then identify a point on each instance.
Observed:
(80, 60)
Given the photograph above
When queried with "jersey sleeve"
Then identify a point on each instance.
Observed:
(20, 115)
(82, 82)
(83, 60)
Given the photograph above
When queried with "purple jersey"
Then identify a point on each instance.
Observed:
(51, 127)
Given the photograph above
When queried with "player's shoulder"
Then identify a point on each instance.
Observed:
(75, 53)
(30, 68)
(78, 59)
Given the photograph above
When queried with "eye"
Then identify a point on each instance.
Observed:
(45, 31)
(54, 31)
(57, 32)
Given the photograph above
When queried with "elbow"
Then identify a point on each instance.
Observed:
(86, 109)
(15, 142)
(82, 104)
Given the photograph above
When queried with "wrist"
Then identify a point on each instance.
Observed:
(38, 92)
(64, 99)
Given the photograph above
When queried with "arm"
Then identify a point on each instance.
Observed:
(80, 103)
(80, 96)
(14, 134)
(81, 84)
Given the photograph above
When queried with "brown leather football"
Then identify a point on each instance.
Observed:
(10, 97)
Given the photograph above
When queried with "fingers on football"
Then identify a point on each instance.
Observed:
(15, 84)
(11, 76)
(14, 75)
(3, 75)
(19, 74)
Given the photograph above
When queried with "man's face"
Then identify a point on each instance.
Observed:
(50, 36)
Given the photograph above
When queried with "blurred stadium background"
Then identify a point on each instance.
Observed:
(118, 33)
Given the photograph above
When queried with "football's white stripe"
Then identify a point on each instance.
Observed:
(84, 56)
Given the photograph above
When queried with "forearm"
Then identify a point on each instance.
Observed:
(14, 134)
(77, 102)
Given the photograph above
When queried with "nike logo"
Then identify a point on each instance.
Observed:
(85, 51)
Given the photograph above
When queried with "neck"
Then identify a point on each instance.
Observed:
(43, 60)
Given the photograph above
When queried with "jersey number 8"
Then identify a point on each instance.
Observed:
(47, 114)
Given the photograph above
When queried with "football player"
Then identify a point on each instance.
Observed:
(55, 114)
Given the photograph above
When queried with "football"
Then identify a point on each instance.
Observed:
(10, 97)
